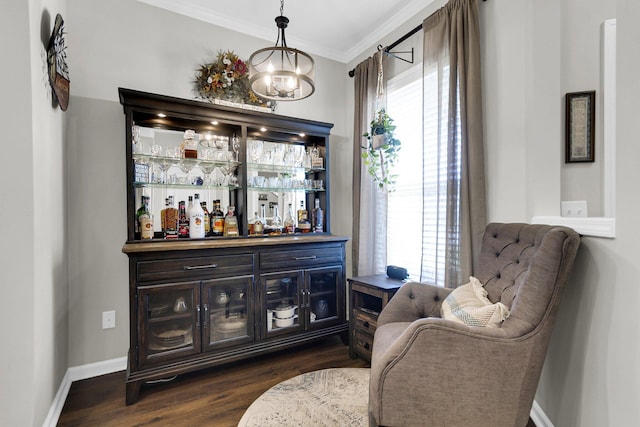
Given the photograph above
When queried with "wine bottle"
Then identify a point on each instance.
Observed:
(183, 220)
(146, 221)
(207, 219)
(144, 206)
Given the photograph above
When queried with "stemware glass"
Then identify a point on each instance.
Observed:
(255, 150)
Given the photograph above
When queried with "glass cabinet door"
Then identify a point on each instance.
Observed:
(283, 297)
(325, 295)
(169, 321)
(227, 316)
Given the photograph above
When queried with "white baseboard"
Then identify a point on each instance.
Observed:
(77, 373)
(538, 416)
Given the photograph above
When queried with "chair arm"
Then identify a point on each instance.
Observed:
(413, 301)
(429, 359)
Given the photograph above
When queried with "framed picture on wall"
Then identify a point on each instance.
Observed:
(580, 126)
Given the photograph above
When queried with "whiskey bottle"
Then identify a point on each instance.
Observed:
(317, 222)
(217, 220)
(231, 223)
(189, 147)
(289, 222)
(276, 221)
(171, 221)
(183, 220)
(303, 219)
(196, 218)
(259, 226)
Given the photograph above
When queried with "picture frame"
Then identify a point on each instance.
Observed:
(580, 126)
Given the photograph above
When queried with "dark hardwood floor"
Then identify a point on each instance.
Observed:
(213, 397)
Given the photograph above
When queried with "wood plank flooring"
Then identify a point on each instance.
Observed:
(213, 397)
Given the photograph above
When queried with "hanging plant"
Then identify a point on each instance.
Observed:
(381, 152)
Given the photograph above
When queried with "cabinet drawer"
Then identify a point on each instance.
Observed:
(363, 344)
(195, 267)
(366, 321)
(278, 260)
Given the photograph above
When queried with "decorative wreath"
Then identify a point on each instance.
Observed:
(227, 78)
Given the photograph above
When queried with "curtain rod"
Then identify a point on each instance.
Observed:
(396, 43)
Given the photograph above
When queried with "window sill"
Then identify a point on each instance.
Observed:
(590, 226)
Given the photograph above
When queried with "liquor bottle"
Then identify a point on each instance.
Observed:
(163, 216)
(171, 221)
(146, 221)
(217, 219)
(207, 219)
(289, 222)
(144, 206)
(196, 218)
(252, 224)
(276, 221)
(303, 219)
(189, 147)
(231, 223)
(259, 226)
(183, 220)
(316, 218)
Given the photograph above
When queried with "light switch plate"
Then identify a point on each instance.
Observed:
(108, 319)
(575, 209)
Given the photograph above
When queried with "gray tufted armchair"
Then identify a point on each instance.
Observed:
(428, 371)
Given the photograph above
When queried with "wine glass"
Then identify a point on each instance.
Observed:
(235, 145)
(255, 150)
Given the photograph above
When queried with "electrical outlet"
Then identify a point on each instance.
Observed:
(576, 209)
(108, 319)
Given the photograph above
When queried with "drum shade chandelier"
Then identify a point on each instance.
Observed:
(280, 72)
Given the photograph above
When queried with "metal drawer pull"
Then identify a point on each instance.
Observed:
(200, 267)
(365, 324)
(366, 346)
(302, 258)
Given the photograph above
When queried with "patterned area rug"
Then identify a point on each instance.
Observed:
(330, 397)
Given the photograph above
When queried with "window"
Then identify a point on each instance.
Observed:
(417, 209)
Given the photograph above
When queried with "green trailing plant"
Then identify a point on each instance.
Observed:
(381, 152)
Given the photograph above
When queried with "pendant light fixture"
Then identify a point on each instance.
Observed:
(280, 72)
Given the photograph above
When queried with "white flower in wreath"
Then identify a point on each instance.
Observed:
(209, 79)
(226, 61)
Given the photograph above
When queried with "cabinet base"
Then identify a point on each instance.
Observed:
(135, 379)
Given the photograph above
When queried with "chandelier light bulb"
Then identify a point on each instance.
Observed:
(279, 72)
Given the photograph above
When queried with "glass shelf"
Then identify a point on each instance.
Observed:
(262, 167)
(190, 163)
(187, 186)
(284, 189)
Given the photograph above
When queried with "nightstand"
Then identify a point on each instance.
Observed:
(367, 297)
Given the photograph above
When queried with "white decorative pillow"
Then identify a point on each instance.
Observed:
(469, 304)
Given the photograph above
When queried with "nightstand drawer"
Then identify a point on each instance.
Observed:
(363, 344)
(365, 320)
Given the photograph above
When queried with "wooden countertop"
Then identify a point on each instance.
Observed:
(240, 242)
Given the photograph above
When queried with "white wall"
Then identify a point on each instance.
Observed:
(32, 190)
(125, 43)
(533, 53)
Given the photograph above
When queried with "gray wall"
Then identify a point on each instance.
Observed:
(33, 272)
(533, 52)
(125, 43)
